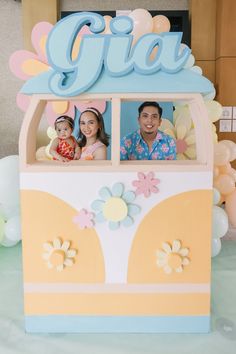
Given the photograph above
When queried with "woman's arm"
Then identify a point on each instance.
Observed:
(100, 153)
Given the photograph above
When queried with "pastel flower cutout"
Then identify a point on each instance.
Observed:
(26, 65)
(58, 254)
(84, 219)
(172, 257)
(115, 206)
(146, 184)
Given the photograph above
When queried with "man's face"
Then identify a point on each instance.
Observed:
(149, 120)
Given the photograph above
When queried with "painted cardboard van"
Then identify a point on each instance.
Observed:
(116, 246)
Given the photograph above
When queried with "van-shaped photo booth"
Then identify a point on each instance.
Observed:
(120, 243)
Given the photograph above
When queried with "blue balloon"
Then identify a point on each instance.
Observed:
(220, 223)
(215, 246)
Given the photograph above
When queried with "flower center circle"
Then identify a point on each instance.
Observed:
(115, 209)
(181, 146)
(174, 260)
(57, 258)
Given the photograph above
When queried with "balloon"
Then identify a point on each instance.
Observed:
(230, 207)
(225, 184)
(225, 168)
(12, 230)
(215, 246)
(221, 154)
(232, 173)
(232, 147)
(210, 96)
(2, 226)
(9, 180)
(216, 196)
(161, 24)
(214, 110)
(41, 154)
(8, 243)
(216, 171)
(220, 223)
(107, 20)
(142, 23)
(197, 69)
(7, 211)
(190, 62)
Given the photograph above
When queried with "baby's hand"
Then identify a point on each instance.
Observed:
(64, 159)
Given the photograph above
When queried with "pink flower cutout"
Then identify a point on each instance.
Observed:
(26, 65)
(84, 219)
(146, 184)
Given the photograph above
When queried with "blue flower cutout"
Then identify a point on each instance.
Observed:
(115, 206)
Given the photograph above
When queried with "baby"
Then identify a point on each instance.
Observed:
(65, 147)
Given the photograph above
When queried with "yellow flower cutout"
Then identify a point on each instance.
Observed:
(58, 254)
(172, 257)
(182, 130)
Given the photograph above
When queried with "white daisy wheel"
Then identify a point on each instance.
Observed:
(172, 257)
(58, 254)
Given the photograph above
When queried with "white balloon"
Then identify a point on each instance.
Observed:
(196, 69)
(12, 231)
(215, 246)
(9, 181)
(220, 222)
(216, 196)
(8, 211)
(8, 243)
(210, 96)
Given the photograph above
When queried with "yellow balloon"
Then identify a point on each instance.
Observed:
(221, 154)
(161, 24)
(214, 110)
(232, 147)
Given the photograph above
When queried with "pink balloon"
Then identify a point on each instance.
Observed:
(225, 184)
(161, 24)
(221, 154)
(142, 23)
(230, 207)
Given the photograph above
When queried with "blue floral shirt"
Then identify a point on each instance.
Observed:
(133, 147)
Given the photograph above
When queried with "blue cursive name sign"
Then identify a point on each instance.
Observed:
(112, 52)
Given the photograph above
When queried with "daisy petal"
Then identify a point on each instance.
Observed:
(190, 139)
(105, 193)
(49, 264)
(128, 221)
(133, 209)
(129, 196)
(48, 246)
(65, 246)
(166, 124)
(161, 262)
(179, 269)
(57, 243)
(167, 269)
(181, 131)
(117, 189)
(161, 255)
(185, 261)
(190, 152)
(114, 225)
(181, 157)
(176, 246)
(183, 252)
(99, 217)
(166, 247)
(60, 267)
(97, 205)
(170, 133)
(68, 262)
(70, 253)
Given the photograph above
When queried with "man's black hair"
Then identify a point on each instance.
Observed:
(147, 104)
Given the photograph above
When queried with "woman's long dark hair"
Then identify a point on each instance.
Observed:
(101, 134)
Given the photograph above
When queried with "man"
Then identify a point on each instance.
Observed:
(148, 143)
